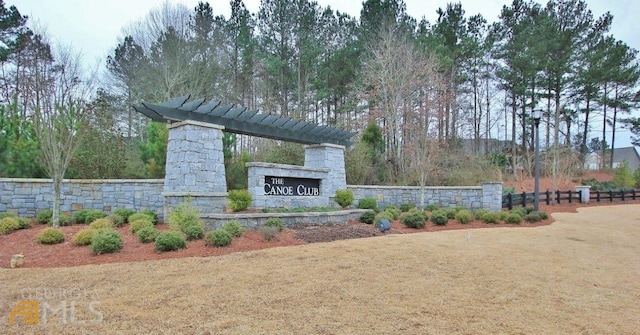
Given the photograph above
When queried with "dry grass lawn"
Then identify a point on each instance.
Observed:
(581, 275)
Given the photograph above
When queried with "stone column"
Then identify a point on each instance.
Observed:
(492, 196)
(195, 167)
(586, 193)
(329, 156)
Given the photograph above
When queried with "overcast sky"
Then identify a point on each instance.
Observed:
(95, 26)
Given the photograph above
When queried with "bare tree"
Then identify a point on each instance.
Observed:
(61, 117)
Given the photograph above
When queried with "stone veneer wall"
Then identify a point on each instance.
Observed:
(26, 197)
(488, 196)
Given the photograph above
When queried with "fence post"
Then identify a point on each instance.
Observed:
(610, 196)
(510, 201)
(524, 199)
(570, 196)
(558, 197)
(633, 194)
(598, 195)
(623, 192)
(548, 194)
(584, 192)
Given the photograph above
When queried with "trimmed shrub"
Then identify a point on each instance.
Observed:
(480, 213)
(368, 217)
(513, 218)
(451, 213)
(9, 224)
(184, 215)
(536, 216)
(117, 219)
(170, 241)
(239, 200)
(274, 222)
(380, 216)
(136, 225)
(125, 213)
(344, 198)
(268, 233)
(503, 215)
(24, 223)
(140, 216)
(368, 203)
(93, 214)
(432, 207)
(106, 241)
(491, 217)
(414, 219)
(406, 207)
(151, 214)
(521, 210)
(50, 236)
(101, 223)
(219, 238)
(394, 211)
(439, 217)
(464, 216)
(44, 217)
(543, 215)
(84, 236)
(193, 232)
(233, 227)
(147, 234)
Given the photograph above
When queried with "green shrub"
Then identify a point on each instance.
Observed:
(101, 223)
(268, 233)
(140, 216)
(93, 214)
(503, 215)
(491, 217)
(8, 225)
(184, 215)
(193, 232)
(125, 213)
(368, 203)
(521, 210)
(50, 236)
(233, 227)
(414, 219)
(464, 216)
(623, 176)
(533, 217)
(218, 238)
(24, 223)
(380, 216)
(344, 198)
(543, 215)
(368, 217)
(274, 222)
(106, 241)
(394, 211)
(406, 207)
(151, 214)
(7, 215)
(147, 234)
(451, 213)
(513, 218)
(84, 236)
(480, 213)
(44, 217)
(79, 216)
(432, 207)
(239, 200)
(117, 219)
(439, 217)
(170, 241)
(136, 225)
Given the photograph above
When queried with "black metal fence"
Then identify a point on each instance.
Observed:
(523, 199)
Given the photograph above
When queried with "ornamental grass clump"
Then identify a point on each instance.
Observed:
(186, 219)
(101, 223)
(84, 236)
(491, 217)
(464, 216)
(274, 222)
(138, 224)
(513, 218)
(8, 225)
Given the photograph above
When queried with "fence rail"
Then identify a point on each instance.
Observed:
(523, 199)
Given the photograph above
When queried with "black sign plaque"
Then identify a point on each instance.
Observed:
(286, 186)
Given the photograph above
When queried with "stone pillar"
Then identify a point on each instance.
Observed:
(586, 193)
(492, 196)
(329, 156)
(195, 167)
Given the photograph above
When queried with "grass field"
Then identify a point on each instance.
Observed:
(581, 275)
